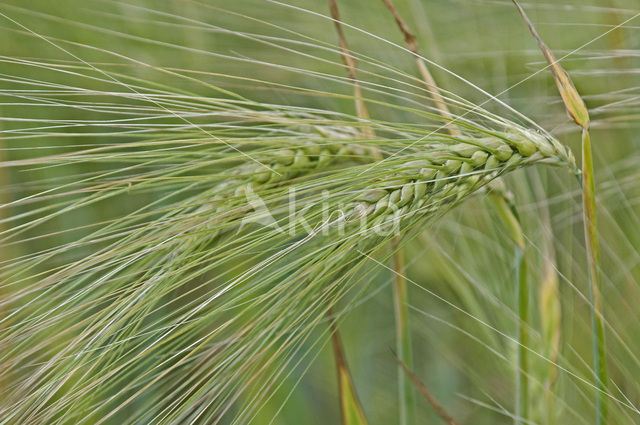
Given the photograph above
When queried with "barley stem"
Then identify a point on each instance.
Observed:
(512, 222)
(351, 66)
(522, 295)
(403, 336)
(424, 391)
(593, 256)
(427, 78)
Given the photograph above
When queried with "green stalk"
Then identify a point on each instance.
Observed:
(522, 296)
(593, 256)
(403, 338)
(433, 402)
(510, 219)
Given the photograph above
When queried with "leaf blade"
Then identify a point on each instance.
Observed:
(350, 408)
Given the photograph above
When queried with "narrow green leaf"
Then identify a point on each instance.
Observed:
(350, 409)
(509, 218)
(551, 321)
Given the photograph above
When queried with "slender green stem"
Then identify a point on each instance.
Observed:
(433, 402)
(512, 222)
(403, 338)
(593, 256)
(522, 296)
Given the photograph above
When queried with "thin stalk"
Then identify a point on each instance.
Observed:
(433, 402)
(351, 66)
(403, 337)
(522, 296)
(510, 218)
(593, 254)
(427, 78)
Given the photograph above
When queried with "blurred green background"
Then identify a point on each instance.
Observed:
(465, 258)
